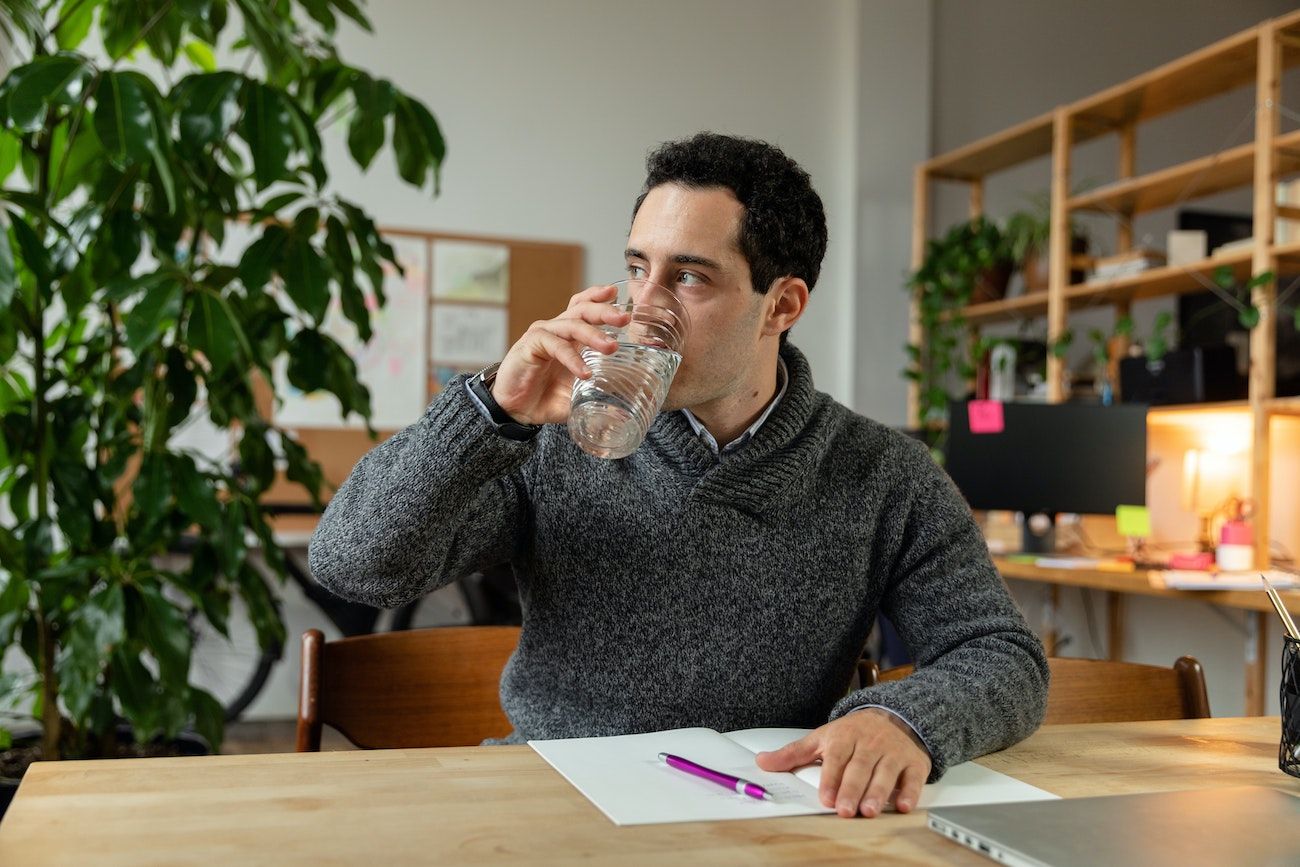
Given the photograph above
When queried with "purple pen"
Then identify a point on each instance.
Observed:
(743, 787)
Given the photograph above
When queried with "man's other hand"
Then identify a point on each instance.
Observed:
(869, 757)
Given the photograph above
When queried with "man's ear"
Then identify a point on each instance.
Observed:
(786, 302)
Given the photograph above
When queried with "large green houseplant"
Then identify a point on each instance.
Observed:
(126, 153)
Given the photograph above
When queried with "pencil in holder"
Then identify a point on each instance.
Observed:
(1289, 754)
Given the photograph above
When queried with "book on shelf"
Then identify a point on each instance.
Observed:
(1123, 264)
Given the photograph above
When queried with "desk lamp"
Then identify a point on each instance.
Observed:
(1210, 481)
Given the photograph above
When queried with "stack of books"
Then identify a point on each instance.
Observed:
(1133, 261)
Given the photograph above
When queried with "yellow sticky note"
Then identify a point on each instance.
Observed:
(1133, 521)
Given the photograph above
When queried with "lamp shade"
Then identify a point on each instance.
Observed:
(1210, 479)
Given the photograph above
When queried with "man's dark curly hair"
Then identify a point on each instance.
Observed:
(783, 231)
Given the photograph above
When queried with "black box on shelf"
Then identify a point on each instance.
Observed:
(1192, 375)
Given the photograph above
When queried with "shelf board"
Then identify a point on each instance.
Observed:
(1219, 68)
(1153, 283)
(1226, 170)
(1021, 143)
(1032, 304)
(1217, 406)
(1158, 282)
(1283, 406)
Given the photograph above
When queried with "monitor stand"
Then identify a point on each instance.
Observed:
(1039, 533)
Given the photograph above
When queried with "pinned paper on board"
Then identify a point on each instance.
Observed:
(1133, 521)
(985, 416)
(468, 335)
(471, 271)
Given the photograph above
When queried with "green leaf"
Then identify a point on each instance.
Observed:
(434, 143)
(320, 12)
(1248, 317)
(57, 80)
(1297, 319)
(166, 634)
(408, 144)
(103, 617)
(302, 469)
(196, 495)
(209, 717)
(135, 690)
(208, 107)
(1259, 280)
(268, 129)
(75, 18)
(153, 313)
(256, 460)
(351, 10)
(75, 164)
(306, 278)
(14, 599)
(210, 331)
(31, 250)
(10, 151)
(263, 257)
(374, 102)
(8, 273)
(200, 54)
(308, 361)
(124, 120)
(182, 387)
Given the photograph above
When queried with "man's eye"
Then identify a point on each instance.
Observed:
(635, 271)
(689, 279)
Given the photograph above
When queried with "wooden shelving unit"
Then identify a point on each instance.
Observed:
(1253, 57)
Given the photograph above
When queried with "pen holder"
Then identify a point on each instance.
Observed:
(1289, 754)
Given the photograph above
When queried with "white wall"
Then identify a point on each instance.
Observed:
(550, 108)
(893, 133)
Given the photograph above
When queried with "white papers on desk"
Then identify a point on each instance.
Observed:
(626, 781)
(1177, 579)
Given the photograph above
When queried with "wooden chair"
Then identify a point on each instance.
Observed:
(1092, 690)
(422, 688)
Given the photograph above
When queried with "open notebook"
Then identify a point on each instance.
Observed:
(624, 778)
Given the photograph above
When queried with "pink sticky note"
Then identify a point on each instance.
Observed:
(985, 416)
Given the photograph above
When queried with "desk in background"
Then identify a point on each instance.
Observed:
(505, 805)
(1258, 655)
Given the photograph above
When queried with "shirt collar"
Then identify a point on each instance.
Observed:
(782, 378)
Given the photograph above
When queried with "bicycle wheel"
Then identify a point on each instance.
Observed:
(233, 668)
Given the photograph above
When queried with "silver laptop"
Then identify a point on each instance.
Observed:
(1250, 825)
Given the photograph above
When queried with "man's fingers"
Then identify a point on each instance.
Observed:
(594, 293)
(909, 787)
(835, 758)
(883, 779)
(793, 755)
(562, 351)
(579, 332)
(595, 312)
(857, 776)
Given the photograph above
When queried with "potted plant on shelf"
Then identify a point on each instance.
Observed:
(1028, 233)
(122, 319)
(971, 263)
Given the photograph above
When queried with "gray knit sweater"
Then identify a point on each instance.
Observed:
(672, 589)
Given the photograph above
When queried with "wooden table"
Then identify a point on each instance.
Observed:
(1259, 652)
(493, 805)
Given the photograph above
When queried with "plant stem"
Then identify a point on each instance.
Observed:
(51, 719)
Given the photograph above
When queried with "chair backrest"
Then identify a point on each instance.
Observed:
(1093, 690)
(422, 688)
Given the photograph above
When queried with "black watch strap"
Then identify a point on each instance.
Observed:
(481, 384)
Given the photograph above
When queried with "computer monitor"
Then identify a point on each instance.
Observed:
(1050, 458)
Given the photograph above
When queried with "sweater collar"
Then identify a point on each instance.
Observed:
(778, 459)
